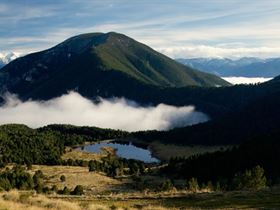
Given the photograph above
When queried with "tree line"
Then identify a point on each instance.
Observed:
(23, 145)
(221, 166)
(19, 178)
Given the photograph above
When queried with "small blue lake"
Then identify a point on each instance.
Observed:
(128, 151)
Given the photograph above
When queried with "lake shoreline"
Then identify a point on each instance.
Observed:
(124, 149)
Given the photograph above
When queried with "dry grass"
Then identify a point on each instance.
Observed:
(82, 155)
(24, 200)
(15, 200)
(93, 182)
(166, 151)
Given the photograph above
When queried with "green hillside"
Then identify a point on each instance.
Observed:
(122, 53)
(98, 64)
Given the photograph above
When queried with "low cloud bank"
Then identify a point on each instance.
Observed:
(246, 80)
(117, 113)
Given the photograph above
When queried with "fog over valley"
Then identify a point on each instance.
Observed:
(116, 113)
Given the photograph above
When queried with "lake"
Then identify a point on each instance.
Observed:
(128, 151)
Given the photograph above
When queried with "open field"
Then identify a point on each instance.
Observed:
(93, 182)
(102, 192)
(82, 155)
(15, 200)
(268, 199)
(75, 154)
(167, 151)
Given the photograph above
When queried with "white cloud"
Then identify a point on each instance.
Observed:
(117, 113)
(17, 12)
(246, 80)
(176, 44)
(192, 29)
(217, 52)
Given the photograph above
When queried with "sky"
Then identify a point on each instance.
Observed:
(177, 28)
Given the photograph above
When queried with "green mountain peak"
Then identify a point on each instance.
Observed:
(95, 61)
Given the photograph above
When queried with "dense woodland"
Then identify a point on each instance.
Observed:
(23, 145)
(222, 166)
(75, 135)
(20, 144)
(18, 177)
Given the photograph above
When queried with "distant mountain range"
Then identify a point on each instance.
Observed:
(243, 67)
(6, 58)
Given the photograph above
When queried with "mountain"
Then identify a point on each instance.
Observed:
(113, 65)
(6, 58)
(255, 116)
(98, 64)
(243, 67)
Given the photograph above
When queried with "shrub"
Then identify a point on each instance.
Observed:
(46, 189)
(29, 166)
(79, 190)
(113, 207)
(210, 186)
(91, 166)
(62, 178)
(38, 181)
(66, 191)
(54, 188)
(39, 187)
(166, 185)
(192, 185)
(5, 184)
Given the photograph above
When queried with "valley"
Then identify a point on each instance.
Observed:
(108, 180)
(127, 192)
(102, 121)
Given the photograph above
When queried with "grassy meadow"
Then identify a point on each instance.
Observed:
(21, 200)
(166, 151)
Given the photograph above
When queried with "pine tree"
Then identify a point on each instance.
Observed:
(192, 185)
(253, 179)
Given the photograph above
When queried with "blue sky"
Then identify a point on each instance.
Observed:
(178, 28)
